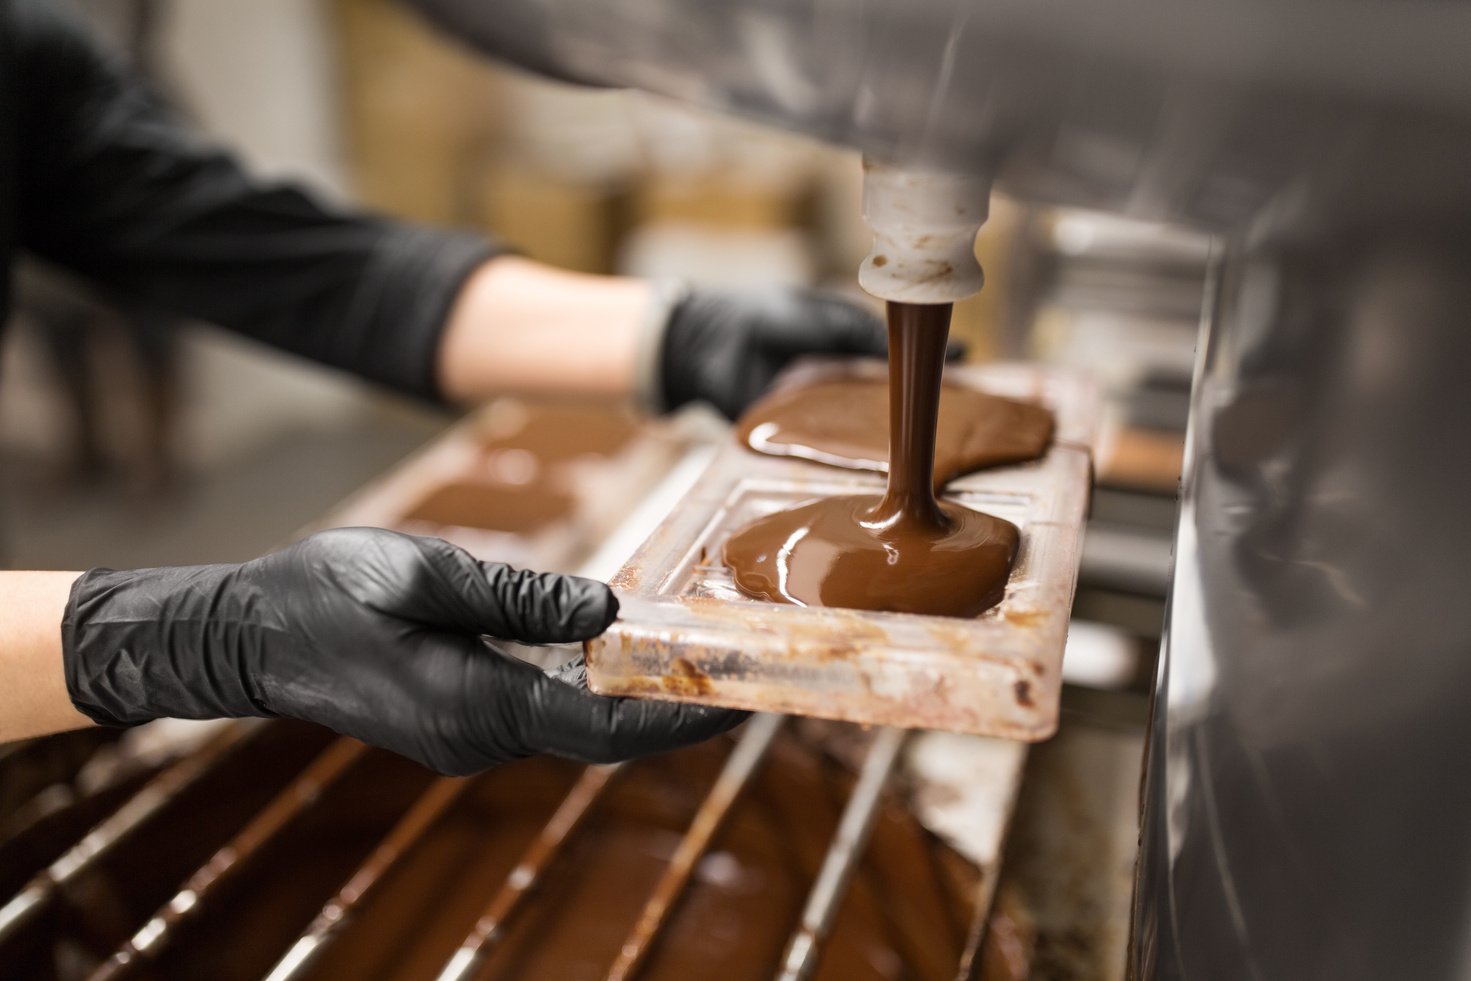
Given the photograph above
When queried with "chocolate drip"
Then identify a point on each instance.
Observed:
(905, 552)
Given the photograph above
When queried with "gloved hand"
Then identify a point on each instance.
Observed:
(373, 633)
(726, 347)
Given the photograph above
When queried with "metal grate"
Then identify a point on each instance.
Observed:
(139, 955)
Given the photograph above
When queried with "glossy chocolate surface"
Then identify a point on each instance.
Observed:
(843, 422)
(904, 552)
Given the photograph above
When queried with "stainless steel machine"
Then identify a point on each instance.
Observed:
(1304, 816)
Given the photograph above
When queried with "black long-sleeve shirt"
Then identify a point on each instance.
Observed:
(98, 177)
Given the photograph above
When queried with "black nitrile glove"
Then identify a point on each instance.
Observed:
(725, 348)
(374, 634)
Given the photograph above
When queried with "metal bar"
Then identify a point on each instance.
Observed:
(971, 962)
(297, 798)
(338, 911)
(970, 959)
(737, 773)
(852, 835)
(151, 798)
(526, 876)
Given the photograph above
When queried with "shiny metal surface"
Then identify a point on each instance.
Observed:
(1304, 815)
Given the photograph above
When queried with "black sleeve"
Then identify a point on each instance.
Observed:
(114, 187)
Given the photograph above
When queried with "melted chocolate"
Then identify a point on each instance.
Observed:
(527, 477)
(834, 552)
(492, 507)
(558, 432)
(842, 421)
(904, 552)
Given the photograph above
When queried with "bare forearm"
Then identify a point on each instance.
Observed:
(523, 327)
(33, 696)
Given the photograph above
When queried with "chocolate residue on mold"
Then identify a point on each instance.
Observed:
(556, 432)
(905, 552)
(684, 678)
(843, 422)
(492, 507)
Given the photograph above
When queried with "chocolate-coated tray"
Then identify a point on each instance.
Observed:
(686, 634)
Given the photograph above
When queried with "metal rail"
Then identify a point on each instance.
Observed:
(526, 876)
(805, 945)
(339, 910)
(736, 775)
(971, 962)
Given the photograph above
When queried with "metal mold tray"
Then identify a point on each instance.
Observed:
(686, 634)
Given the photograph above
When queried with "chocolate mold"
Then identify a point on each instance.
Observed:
(686, 634)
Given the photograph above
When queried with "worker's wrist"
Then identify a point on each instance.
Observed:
(32, 672)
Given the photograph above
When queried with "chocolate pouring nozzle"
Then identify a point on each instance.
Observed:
(924, 233)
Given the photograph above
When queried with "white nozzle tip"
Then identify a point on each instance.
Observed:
(924, 233)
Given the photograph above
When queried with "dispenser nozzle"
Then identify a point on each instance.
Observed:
(924, 233)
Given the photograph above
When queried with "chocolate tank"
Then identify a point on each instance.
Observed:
(1305, 814)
